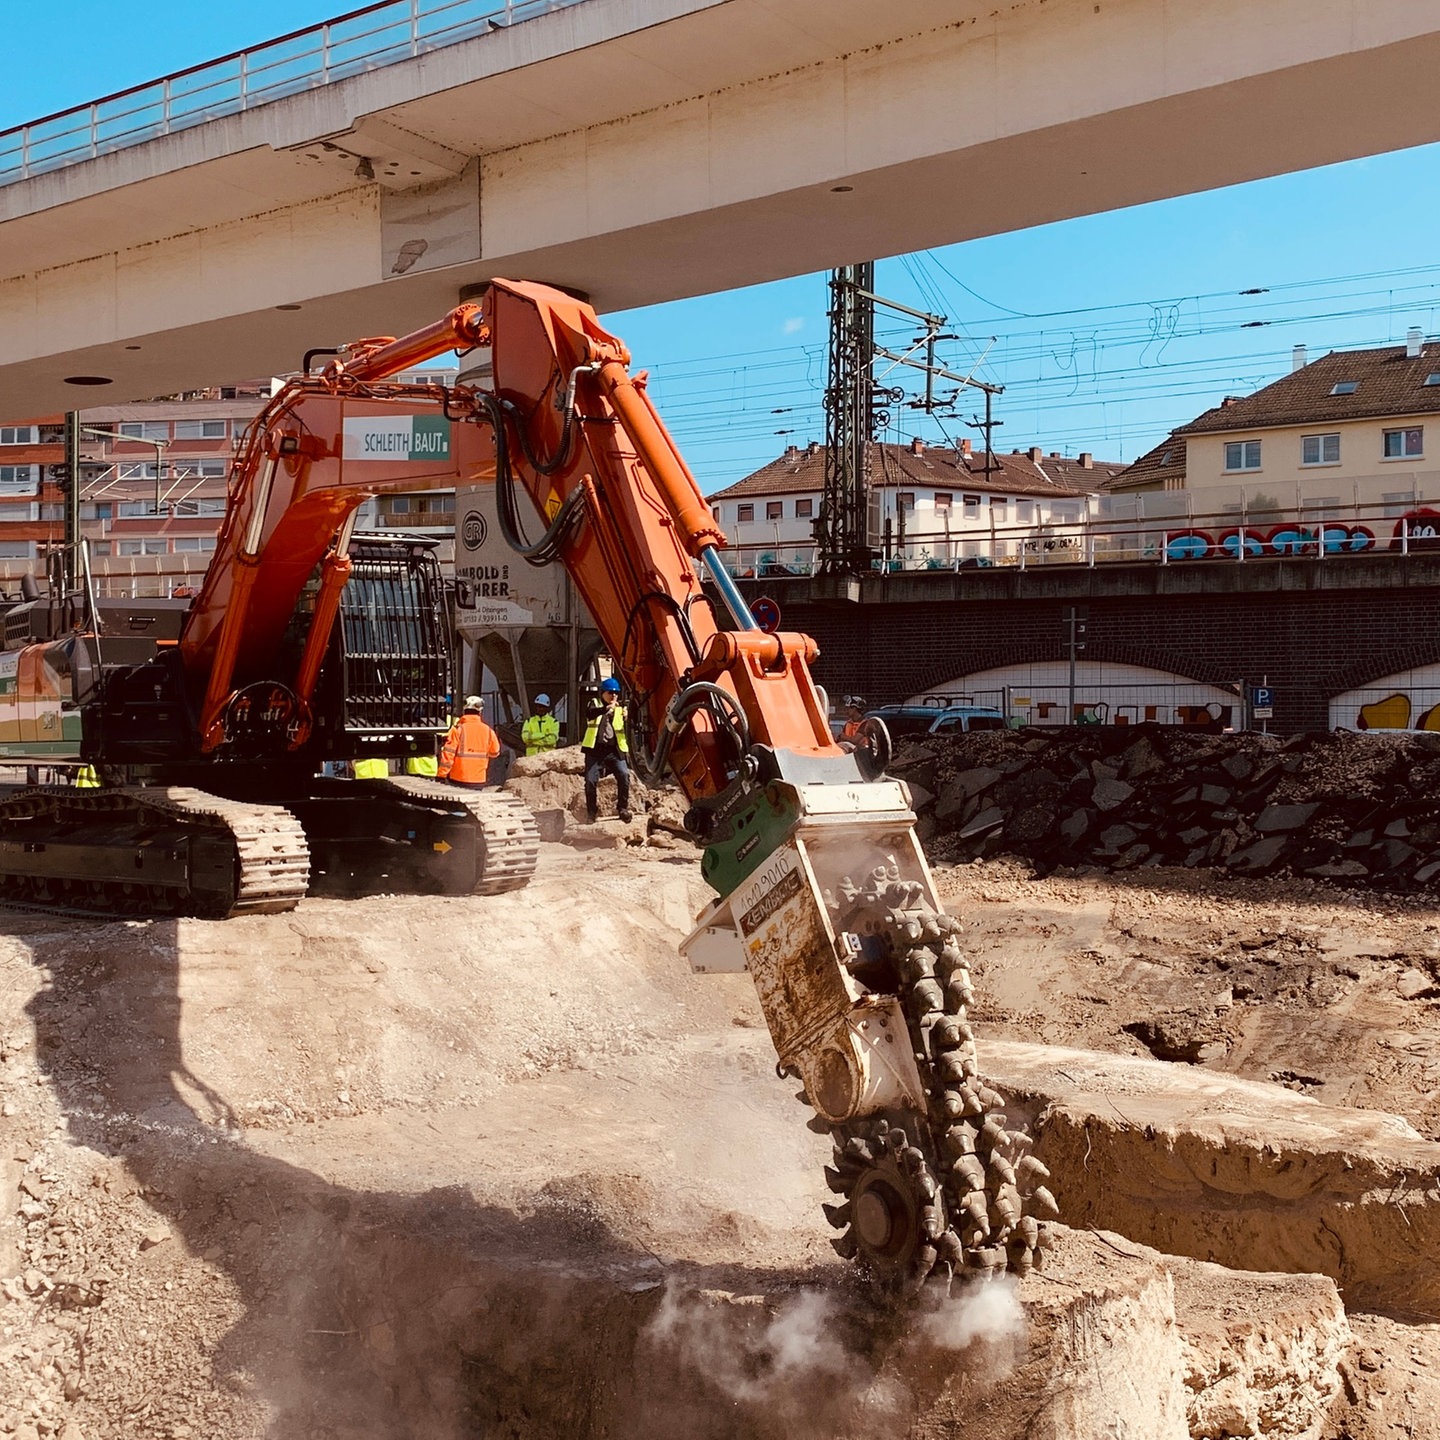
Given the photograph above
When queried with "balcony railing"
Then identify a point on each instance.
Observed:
(361, 40)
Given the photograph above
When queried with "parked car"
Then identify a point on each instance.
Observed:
(962, 719)
(907, 721)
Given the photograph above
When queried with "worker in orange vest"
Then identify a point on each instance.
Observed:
(469, 747)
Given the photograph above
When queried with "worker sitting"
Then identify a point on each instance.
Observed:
(469, 748)
(541, 732)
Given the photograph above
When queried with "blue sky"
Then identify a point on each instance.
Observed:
(1106, 331)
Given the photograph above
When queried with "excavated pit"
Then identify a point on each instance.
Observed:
(502, 1167)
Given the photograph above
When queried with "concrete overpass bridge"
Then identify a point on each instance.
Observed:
(350, 179)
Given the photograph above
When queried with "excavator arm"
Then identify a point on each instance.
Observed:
(823, 892)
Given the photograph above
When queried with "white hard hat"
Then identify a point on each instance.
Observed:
(542, 699)
(472, 702)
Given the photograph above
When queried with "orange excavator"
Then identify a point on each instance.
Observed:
(307, 642)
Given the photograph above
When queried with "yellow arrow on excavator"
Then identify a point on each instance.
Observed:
(441, 847)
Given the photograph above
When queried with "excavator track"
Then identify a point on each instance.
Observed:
(510, 838)
(141, 851)
(929, 1199)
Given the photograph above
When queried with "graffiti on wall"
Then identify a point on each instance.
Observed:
(1415, 530)
(1287, 539)
(1406, 701)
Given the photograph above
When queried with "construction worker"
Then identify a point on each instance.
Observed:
(605, 748)
(854, 714)
(541, 732)
(469, 748)
(87, 777)
(377, 768)
(426, 765)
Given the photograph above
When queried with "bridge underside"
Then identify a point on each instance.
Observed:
(645, 150)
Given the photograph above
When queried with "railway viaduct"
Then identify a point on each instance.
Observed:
(1313, 629)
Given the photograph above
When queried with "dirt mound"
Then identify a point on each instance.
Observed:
(435, 1167)
(553, 786)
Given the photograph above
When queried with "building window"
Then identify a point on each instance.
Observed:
(1242, 455)
(1433, 378)
(52, 512)
(100, 547)
(197, 469)
(972, 506)
(715, 513)
(143, 547)
(1320, 450)
(944, 501)
(804, 509)
(1397, 502)
(19, 479)
(138, 472)
(999, 508)
(201, 429)
(187, 544)
(1344, 387)
(400, 505)
(19, 434)
(905, 500)
(14, 549)
(1025, 512)
(1404, 444)
(145, 429)
(744, 514)
(774, 509)
(132, 509)
(104, 510)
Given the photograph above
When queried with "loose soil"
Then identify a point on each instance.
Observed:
(302, 1175)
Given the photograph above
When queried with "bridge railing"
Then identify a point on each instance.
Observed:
(360, 40)
(1381, 527)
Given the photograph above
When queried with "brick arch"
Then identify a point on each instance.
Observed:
(1421, 651)
(1031, 652)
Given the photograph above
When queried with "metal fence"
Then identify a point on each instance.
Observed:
(1193, 704)
(1233, 536)
(351, 44)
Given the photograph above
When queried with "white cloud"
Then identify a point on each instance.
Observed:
(791, 326)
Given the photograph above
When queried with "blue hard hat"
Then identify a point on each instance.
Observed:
(610, 686)
(542, 700)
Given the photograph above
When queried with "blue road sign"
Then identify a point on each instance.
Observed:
(766, 613)
(1262, 697)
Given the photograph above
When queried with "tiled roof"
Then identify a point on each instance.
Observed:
(1016, 473)
(1386, 382)
(1163, 465)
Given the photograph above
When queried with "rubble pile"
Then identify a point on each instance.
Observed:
(1362, 809)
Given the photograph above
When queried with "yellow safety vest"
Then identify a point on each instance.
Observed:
(617, 719)
(371, 769)
(422, 765)
(87, 777)
(540, 733)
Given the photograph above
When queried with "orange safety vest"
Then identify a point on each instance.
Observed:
(469, 748)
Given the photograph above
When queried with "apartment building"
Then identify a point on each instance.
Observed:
(1353, 435)
(931, 507)
(153, 482)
